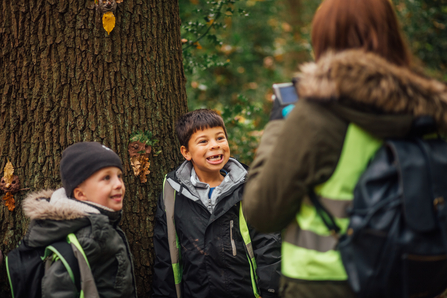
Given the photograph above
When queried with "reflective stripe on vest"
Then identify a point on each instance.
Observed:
(308, 248)
(169, 195)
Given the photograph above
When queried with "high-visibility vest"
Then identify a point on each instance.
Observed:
(169, 195)
(308, 248)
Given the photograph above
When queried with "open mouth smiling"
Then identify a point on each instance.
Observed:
(215, 158)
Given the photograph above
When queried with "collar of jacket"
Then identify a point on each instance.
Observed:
(368, 80)
(55, 205)
(180, 180)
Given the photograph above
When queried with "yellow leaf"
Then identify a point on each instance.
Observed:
(8, 172)
(108, 21)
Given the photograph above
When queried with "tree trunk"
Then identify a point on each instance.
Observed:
(63, 80)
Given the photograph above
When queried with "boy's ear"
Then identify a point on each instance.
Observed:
(79, 194)
(185, 152)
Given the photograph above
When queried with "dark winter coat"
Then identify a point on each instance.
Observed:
(53, 216)
(348, 87)
(209, 267)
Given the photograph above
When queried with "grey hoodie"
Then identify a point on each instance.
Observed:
(235, 175)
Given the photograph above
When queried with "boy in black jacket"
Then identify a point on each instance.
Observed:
(202, 244)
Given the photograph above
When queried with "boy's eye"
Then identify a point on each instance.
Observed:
(107, 177)
(221, 138)
(202, 142)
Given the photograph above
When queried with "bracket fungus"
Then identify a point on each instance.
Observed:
(139, 148)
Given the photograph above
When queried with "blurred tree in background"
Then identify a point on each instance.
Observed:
(234, 50)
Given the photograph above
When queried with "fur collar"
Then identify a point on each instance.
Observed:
(368, 79)
(60, 207)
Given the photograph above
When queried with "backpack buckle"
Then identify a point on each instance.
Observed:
(335, 234)
(438, 201)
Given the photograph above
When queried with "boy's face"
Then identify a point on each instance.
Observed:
(208, 150)
(105, 187)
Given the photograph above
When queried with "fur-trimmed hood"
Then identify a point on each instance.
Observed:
(53, 216)
(55, 205)
(369, 80)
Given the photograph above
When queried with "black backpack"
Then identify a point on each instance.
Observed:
(26, 267)
(396, 242)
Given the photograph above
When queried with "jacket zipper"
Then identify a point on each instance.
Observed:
(233, 244)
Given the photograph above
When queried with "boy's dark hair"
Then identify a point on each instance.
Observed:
(196, 120)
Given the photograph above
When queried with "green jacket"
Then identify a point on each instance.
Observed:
(53, 216)
(303, 151)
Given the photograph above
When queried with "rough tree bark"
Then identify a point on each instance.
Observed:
(64, 80)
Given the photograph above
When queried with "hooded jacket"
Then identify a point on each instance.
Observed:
(212, 267)
(53, 216)
(303, 151)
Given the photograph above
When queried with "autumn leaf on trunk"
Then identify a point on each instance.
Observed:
(108, 21)
(9, 201)
(145, 169)
(8, 172)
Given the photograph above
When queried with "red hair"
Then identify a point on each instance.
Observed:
(366, 24)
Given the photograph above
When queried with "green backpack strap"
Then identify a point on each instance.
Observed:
(174, 246)
(249, 248)
(63, 251)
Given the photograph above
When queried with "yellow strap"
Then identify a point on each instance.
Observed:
(251, 258)
(71, 238)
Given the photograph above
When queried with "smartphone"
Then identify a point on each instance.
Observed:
(285, 93)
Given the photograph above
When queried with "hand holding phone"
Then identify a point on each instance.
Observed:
(285, 93)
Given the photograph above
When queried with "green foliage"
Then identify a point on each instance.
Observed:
(205, 20)
(233, 71)
(145, 137)
(235, 50)
(424, 23)
(240, 122)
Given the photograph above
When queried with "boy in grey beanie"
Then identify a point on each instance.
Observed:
(89, 206)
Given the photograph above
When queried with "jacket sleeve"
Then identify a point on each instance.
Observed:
(294, 154)
(267, 250)
(163, 280)
(57, 283)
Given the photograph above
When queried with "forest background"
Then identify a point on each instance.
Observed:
(64, 79)
(234, 50)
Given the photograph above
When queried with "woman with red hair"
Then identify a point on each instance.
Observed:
(359, 91)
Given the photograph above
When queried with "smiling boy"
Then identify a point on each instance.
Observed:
(205, 248)
(89, 205)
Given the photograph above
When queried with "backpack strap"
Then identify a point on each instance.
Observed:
(63, 251)
(249, 248)
(325, 215)
(88, 285)
(436, 160)
(174, 246)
